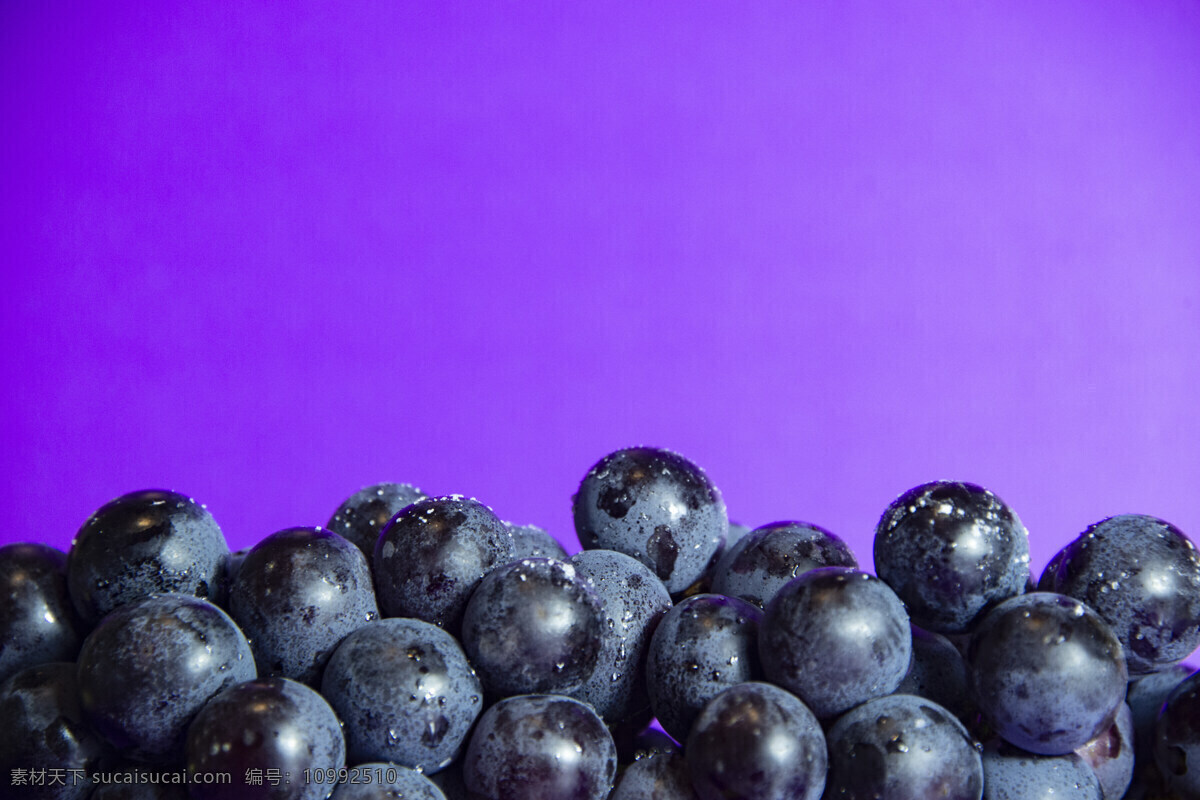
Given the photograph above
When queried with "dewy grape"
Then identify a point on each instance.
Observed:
(421, 647)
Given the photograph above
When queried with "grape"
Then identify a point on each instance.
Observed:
(755, 740)
(297, 594)
(150, 665)
(1177, 738)
(540, 746)
(760, 563)
(1110, 755)
(144, 543)
(530, 541)
(38, 623)
(363, 516)
(404, 692)
(902, 747)
(633, 601)
(835, 637)
(1145, 697)
(270, 723)
(433, 554)
(702, 646)
(951, 551)
(370, 782)
(1142, 576)
(663, 776)
(42, 726)
(937, 671)
(533, 626)
(1047, 672)
(1013, 774)
(656, 506)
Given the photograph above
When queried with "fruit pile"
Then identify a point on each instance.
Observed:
(421, 648)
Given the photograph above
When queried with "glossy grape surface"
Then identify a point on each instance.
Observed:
(1013, 774)
(1142, 576)
(144, 543)
(431, 556)
(149, 666)
(1110, 755)
(656, 506)
(297, 594)
(38, 623)
(937, 671)
(663, 776)
(364, 514)
(761, 562)
(835, 637)
(540, 746)
(1047, 672)
(530, 541)
(951, 551)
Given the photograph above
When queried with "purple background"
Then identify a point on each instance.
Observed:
(828, 251)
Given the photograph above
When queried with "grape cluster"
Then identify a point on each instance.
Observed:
(420, 647)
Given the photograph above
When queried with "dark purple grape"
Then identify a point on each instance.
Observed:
(755, 740)
(835, 637)
(951, 551)
(150, 665)
(903, 747)
(533, 626)
(1010, 773)
(633, 601)
(530, 541)
(1110, 755)
(266, 724)
(937, 671)
(384, 781)
(1142, 576)
(297, 594)
(1146, 696)
(662, 776)
(760, 563)
(405, 693)
(540, 746)
(656, 506)
(702, 646)
(1177, 738)
(145, 543)
(42, 727)
(432, 555)
(362, 518)
(38, 623)
(1047, 672)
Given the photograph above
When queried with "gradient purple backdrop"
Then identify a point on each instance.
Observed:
(828, 251)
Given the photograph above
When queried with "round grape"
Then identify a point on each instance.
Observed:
(364, 514)
(38, 623)
(760, 563)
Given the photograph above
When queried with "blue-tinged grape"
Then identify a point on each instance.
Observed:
(540, 746)
(656, 506)
(297, 594)
(433, 554)
(633, 601)
(149, 666)
(1010, 773)
(1145, 697)
(760, 563)
(533, 626)
(364, 514)
(530, 541)
(902, 747)
(266, 724)
(835, 637)
(383, 781)
(42, 727)
(951, 551)
(38, 623)
(145, 543)
(1177, 738)
(1047, 672)
(1142, 576)
(755, 740)
(662, 776)
(405, 693)
(937, 671)
(1110, 755)
(704, 645)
